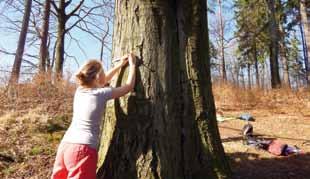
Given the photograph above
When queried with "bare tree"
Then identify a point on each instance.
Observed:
(21, 44)
(223, 41)
(11, 24)
(44, 36)
(80, 13)
(221, 28)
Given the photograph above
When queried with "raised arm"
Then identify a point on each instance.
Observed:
(128, 86)
(109, 75)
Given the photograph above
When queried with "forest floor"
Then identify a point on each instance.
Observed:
(34, 118)
(279, 114)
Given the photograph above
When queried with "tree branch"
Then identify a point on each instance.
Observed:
(81, 18)
(30, 63)
(78, 44)
(13, 54)
(68, 3)
(37, 29)
(55, 6)
(74, 58)
(75, 9)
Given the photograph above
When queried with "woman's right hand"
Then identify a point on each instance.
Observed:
(130, 83)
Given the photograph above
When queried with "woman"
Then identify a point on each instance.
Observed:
(77, 153)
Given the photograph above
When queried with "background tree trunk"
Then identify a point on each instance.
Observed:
(44, 37)
(167, 127)
(60, 44)
(242, 78)
(263, 75)
(63, 17)
(223, 64)
(256, 67)
(249, 75)
(21, 44)
(305, 20)
(283, 55)
(274, 46)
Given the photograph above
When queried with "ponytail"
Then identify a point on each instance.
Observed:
(89, 73)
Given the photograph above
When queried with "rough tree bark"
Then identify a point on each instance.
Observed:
(305, 20)
(274, 46)
(197, 59)
(167, 127)
(44, 37)
(21, 44)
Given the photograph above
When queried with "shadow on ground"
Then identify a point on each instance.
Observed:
(251, 166)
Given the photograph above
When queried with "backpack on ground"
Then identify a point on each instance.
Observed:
(277, 147)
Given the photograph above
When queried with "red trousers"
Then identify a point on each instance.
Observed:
(75, 161)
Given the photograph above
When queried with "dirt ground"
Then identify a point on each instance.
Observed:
(32, 125)
(250, 163)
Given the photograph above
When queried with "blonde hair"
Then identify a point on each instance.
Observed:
(89, 72)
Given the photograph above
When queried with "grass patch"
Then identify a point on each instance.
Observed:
(9, 170)
(53, 125)
(36, 150)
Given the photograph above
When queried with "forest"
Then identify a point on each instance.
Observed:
(221, 87)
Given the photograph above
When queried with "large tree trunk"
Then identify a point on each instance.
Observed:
(21, 44)
(44, 37)
(166, 128)
(197, 58)
(60, 44)
(305, 20)
(274, 46)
